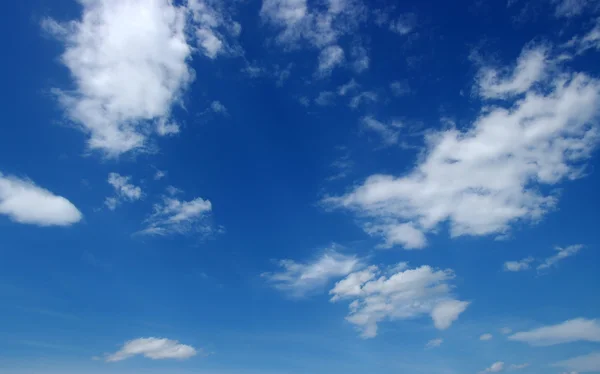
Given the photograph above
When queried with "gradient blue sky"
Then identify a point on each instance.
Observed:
(300, 186)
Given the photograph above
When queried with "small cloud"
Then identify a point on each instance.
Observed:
(363, 97)
(404, 24)
(562, 254)
(434, 343)
(329, 58)
(495, 368)
(506, 330)
(486, 337)
(124, 191)
(344, 89)
(160, 174)
(325, 98)
(304, 101)
(153, 348)
(389, 133)
(217, 107)
(521, 265)
(518, 366)
(400, 88)
(579, 329)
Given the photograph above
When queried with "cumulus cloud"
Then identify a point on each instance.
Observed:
(495, 368)
(300, 279)
(25, 202)
(486, 337)
(329, 58)
(579, 329)
(563, 253)
(129, 75)
(524, 264)
(398, 293)
(175, 216)
(483, 179)
(433, 343)
(589, 363)
(124, 190)
(153, 348)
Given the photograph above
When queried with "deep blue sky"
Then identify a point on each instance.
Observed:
(90, 264)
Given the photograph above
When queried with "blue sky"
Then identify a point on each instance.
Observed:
(293, 186)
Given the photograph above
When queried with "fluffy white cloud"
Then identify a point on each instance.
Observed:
(329, 58)
(174, 216)
(129, 75)
(123, 190)
(433, 343)
(486, 337)
(388, 133)
(579, 329)
(215, 30)
(360, 56)
(521, 265)
(530, 69)
(563, 253)
(396, 294)
(495, 368)
(485, 178)
(299, 279)
(589, 363)
(24, 202)
(446, 312)
(153, 348)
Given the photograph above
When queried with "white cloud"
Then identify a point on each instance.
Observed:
(574, 8)
(433, 343)
(129, 75)
(578, 329)
(489, 176)
(329, 58)
(404, 24)
(174, 216)
(495, 368)
(24, 202)
(521, 265)
(218, 107)
(345, 89)
(123, 190)
(363, 97)
(396, 294)
(589, 363)
(446, 312)
(215, 30)
(506, 330)
(563, 253)
(518, 366)
(486, 337)
(361, 60)
(153, 348)
(400, 88)
(160, 174)
(300, 279)
(325, 98)
(388, 133)
(531, 68)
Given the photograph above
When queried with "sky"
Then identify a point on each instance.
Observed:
(300, 186)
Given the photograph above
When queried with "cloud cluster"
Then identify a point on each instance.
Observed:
(396, 294)
(124, 190)
(175, 216)
(300, 279)
(547, 263)
(299, 22)
(24, 202)
(153, 348)
(487, 177)
(128, 75)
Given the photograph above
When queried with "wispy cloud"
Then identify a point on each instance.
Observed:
(153, 348)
